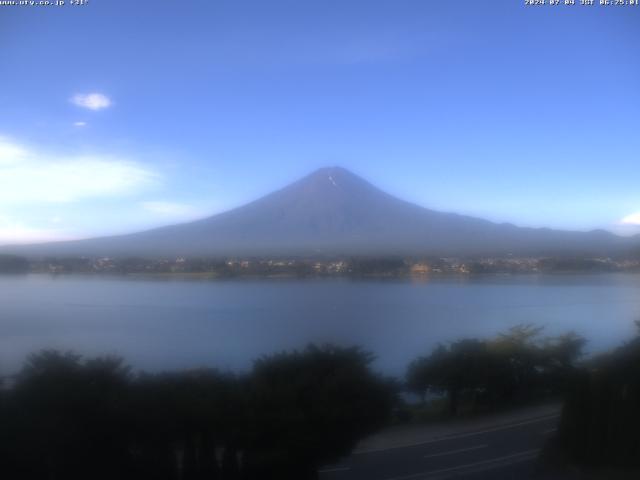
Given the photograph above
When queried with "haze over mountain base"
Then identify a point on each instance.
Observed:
(334, 212)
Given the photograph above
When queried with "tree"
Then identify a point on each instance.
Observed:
(459, 369)
(600, 419)
(516, 366)
(13, 264)
(310, 408)
(182, 418)
(426, 374)
(69, 418)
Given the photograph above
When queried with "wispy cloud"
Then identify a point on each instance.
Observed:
(31, 177)
(92, 101)
(632, 219)
(14, 232)
(10, 153)
(79, 124)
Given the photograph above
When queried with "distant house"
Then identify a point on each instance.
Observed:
(420, 269)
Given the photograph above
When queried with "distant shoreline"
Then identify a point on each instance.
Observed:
(208, 276)
(294, 267)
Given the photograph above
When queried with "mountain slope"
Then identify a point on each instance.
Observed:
(333, 211)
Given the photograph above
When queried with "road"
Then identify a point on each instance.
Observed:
(494, 452)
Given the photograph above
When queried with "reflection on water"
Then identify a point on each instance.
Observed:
(171, 324)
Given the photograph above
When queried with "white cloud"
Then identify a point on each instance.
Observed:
(171, 209)
(10, 153)
(79, 124)
(633, 219)
(30, 177)
(14, 232)
(92, 101)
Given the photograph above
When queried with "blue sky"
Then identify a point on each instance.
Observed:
(121, 115)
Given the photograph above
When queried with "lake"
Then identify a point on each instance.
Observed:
(168, 324)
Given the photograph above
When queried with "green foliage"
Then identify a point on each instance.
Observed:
(377, 266)
(314, 405)
(601, 417)
(294, 411)
(13, 264)
(61, 405)
(516, 366)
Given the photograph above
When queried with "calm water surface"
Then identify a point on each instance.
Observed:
(160, 324)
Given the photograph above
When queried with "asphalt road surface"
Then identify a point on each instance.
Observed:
(496, 453)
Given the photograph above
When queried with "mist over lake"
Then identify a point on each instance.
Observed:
(171, 324)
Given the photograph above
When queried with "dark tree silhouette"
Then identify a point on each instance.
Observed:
(70, 419)
(601, 417)
(310, 408)
(183, 419)
(515, 367)
(64, 417)
(13, 264)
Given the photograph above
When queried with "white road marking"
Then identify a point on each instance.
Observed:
(453, 452)
(458, 436)
(484, 464)
(336, 469)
